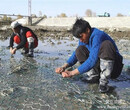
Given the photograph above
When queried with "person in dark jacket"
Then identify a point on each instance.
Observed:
(24, 37)
(97, 53)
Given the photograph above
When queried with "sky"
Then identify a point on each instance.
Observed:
(69, 7)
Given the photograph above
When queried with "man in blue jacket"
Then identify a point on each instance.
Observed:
(97, 54)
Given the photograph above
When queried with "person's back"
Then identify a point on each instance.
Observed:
(24, 30)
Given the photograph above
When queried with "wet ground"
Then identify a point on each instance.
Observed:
(32, 84)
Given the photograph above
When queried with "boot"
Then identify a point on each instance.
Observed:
(91, 76)
(31, 47)
(25, 51)
(106, 67)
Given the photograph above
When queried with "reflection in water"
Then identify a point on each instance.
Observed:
(31, 83)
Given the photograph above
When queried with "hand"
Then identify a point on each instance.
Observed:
(13, 51)
(67, 74)
(59, 70)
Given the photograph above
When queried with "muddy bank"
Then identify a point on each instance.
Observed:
(115, 33)
(57, 32)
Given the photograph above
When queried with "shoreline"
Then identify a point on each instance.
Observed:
(55, 31)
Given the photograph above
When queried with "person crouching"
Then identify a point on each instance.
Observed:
(24, 37)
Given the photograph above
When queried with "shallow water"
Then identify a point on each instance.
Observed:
(32, 84)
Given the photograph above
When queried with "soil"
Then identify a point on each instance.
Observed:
(58, 32)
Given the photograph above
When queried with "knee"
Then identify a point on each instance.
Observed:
(17, 39)
(107, 50)
(82, 53)
(80, 49)
(30, 39)
(106, 43)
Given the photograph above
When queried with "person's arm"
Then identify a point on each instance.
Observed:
(73, 59)
(11, 43)
(12, 50)
(23, 39)
(88, 64)
(70, 62)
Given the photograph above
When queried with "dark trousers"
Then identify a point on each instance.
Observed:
(107, 52)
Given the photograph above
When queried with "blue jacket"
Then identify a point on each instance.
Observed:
(95, 41)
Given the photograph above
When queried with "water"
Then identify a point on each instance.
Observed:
(32, 84)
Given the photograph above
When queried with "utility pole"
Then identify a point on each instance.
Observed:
(29, 13)
(29, 7)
